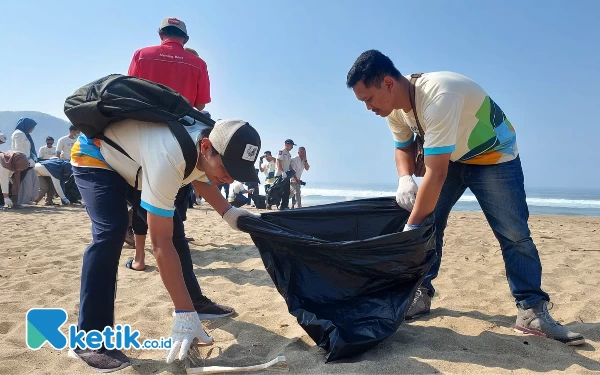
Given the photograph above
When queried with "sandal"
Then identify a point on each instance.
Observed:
(129, 264)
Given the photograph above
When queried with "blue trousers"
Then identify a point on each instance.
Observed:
(500, 191)
(105, 194)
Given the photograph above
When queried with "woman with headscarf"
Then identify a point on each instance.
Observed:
(58, 171)
(11, 164)
(22, 142)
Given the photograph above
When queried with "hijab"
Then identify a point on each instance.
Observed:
(25, 124)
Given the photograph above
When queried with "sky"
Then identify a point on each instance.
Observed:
(282, 66)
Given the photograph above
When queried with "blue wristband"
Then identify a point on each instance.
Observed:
(414, 226)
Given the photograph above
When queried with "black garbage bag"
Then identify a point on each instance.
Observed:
(345, 270)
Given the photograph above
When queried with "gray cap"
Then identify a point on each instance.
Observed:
(173, 22)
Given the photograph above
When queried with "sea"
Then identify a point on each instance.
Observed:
(547, 201)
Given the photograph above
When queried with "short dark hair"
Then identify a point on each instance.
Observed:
(49, 138)
(72, 128)
(205, 133)
(370, 68)
(172, 32)
(268, 152)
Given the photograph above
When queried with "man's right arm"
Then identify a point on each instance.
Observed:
(161, 235)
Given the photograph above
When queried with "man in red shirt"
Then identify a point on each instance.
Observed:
(183, 71)
(172, 66)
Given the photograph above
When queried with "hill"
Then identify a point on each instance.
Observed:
(48, 125)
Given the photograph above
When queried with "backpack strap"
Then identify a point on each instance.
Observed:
(412, 96)
(188, 147)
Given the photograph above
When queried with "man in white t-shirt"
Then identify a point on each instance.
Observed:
(299, 164)
(65, 144)
(268, 166)
(150, 178)
(48, 151)
(468, 143)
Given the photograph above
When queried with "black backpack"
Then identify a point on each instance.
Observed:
(118, 97)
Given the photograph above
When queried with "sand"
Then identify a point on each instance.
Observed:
(469, 330)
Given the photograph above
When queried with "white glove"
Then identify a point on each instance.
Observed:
(186, 328)
(66, 201)
(233, 213)
(406, 193)
(8, 203)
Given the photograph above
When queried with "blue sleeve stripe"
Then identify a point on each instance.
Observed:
(403, 144)
(439, 150)
(157, 211)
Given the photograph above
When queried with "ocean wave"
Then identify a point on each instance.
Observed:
(342, 194)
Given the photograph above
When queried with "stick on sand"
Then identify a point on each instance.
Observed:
(278, 363)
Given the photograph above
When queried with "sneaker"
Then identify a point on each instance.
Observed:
(420, 305)
(537, 321)
(101, 360)
(207, 309)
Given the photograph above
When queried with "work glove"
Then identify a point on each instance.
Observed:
(8, 203)
(186, 328)
(407, 192)
(66, 201)
(233, 213)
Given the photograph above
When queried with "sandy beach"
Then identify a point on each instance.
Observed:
(469, 330)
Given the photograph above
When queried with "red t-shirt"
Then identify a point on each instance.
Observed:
(169, 64)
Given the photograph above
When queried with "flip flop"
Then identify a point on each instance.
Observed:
(129, 264)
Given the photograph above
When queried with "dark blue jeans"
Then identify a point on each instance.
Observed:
(500, 191)
(105, 194)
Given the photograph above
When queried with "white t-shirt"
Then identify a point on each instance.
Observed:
(458, 117)
(47, 153)
(152, 147)
(298, 166)
(285, 157)
(64, 146)
(269, 169)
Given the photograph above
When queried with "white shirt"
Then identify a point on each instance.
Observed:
(269, 169)
(64, 146)
(21, 143)
(47, 153)
(285, 157)
(152, 147)
(458, 118)
(298, 166)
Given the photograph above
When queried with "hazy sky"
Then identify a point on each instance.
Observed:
(282, 65)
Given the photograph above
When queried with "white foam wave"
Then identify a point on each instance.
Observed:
(356, 194)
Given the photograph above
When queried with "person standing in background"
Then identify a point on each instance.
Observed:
(185, 72)
(22, 142)
(284, 159)
(65, 144)
(299, 164)
(48, 151)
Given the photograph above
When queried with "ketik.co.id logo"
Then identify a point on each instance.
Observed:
(43, 325)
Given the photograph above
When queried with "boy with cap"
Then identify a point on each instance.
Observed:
(284, 159)
(107, 178)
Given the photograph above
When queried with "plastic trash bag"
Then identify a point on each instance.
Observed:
(345, 270)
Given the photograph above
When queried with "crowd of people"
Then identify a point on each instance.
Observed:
(45, 174)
